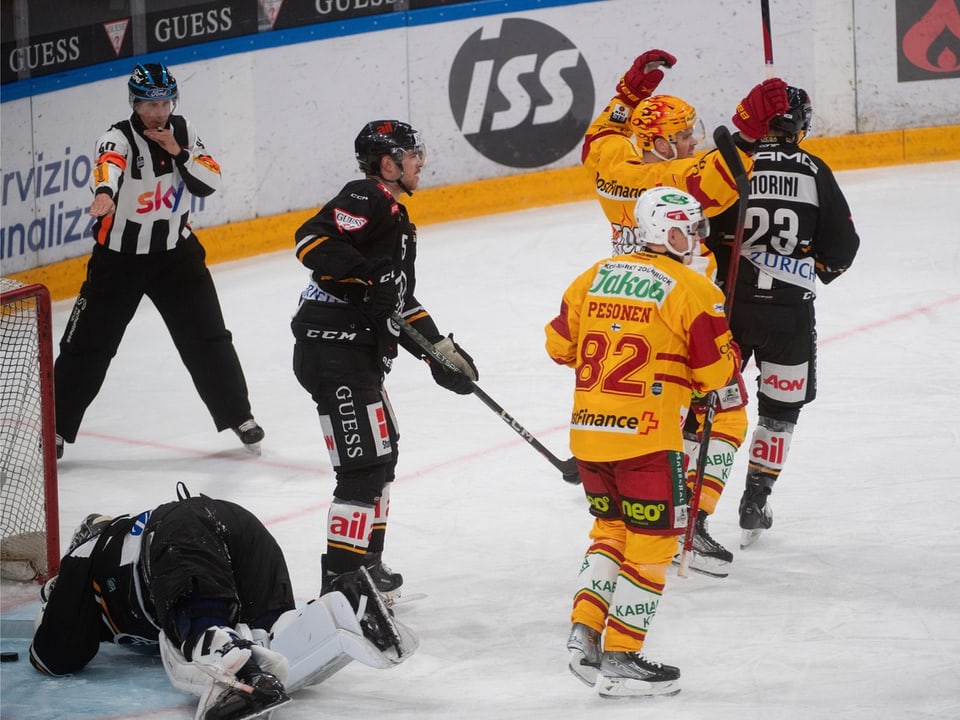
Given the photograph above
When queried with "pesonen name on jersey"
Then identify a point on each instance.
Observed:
(631, 281)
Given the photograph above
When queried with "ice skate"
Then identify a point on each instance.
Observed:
(376, 619)
(250, 434)
(627, 674)
(387, 581)
(92, 525)
(584, 647)
(707, 557)
(756, 515)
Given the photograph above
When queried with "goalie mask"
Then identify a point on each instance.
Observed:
(153, 81)
(662, 209)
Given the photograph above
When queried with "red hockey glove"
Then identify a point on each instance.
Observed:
(759, 107)
(639, 82)
(382, 296)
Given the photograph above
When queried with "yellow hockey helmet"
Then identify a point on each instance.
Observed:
(661, 116)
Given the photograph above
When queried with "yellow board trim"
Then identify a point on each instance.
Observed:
(515, 192)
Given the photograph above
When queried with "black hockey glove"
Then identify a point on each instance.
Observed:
(382, 296)
(460, 380)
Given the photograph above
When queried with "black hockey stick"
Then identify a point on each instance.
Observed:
(567, 468)
(728, 151)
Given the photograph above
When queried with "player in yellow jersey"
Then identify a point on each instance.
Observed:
(642, 141)
(642, 331)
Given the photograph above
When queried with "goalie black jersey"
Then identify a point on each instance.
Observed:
(798, 228)
(98, 597)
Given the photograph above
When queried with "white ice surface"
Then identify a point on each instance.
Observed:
(848, 609)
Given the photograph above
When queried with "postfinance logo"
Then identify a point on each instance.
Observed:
(521, 93)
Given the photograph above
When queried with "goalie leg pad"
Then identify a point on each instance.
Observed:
(310, 640)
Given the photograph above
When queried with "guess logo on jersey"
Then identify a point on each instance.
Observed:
(347, 222)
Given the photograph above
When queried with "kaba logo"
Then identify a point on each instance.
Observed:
(160, 198)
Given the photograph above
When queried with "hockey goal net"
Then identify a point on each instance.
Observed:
(29, 518)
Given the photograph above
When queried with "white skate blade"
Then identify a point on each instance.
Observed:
(585, 673)
(393, 601)
(749, 537)
(252, 448)
(621, 687)
(266, 712)
(710, 567)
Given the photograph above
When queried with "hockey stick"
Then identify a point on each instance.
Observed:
(728, 151)
(567, 468)
(767, 37)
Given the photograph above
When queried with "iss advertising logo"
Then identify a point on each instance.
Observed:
(928, 39)
(521, 93)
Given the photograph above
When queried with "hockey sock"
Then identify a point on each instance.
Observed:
(769, 447)
(380, 512)
(640, 584)
(598, 574)
(349, 526)
(716, 472)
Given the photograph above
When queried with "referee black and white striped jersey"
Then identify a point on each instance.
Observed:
(151, 188)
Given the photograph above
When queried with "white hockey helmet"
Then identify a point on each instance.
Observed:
(662, 208)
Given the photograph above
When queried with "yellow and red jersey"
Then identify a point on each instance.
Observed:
(619, 175)
(641, 331)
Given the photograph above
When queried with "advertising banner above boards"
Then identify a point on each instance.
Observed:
(498, 90)
(41, 37)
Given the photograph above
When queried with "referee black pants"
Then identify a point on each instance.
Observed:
(180, 286)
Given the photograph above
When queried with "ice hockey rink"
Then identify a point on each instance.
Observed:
(849, 608)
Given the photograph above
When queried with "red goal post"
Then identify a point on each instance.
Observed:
(29, 514)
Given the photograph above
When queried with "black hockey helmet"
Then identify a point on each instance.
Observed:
(796, 121)
(152, 81)
(385, 137)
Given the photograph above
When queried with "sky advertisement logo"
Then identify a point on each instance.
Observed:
(521, 93)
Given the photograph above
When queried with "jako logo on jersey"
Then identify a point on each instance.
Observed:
(159, 198)
(629, 280)
(347, 222)
(521, 93)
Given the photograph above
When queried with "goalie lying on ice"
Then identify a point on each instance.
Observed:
(206, 582)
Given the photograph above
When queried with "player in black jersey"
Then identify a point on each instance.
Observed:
(798, 230)
(361, 250)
